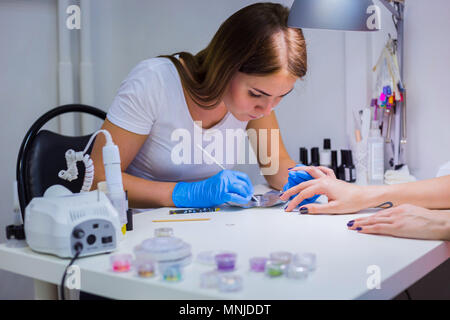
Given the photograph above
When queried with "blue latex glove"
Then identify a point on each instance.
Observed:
(225, 186)
(295, 178)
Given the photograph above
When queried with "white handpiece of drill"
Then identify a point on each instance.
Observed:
(113, 175)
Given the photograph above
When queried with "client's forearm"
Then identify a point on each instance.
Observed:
(432, 193)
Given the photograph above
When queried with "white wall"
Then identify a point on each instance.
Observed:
(28, 78)
(427, 66)
(126, 32)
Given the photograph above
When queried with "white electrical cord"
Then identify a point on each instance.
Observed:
(73, 157)
(113, 173)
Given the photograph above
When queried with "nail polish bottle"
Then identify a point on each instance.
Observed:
(347, 177)
(334, 162)
(341, 168)
(304, 156)
(325, 154)
(315, 160)
(351, 166)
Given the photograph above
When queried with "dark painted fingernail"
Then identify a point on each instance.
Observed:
(281, 194)
(350, 223)
(358, 229)
(291, 168)
(303, 210)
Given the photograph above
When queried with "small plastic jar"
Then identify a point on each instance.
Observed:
(207, 258)
(163, 232)
(121, 262)
(145, 268)
(283, 256)
(274, 268)
(225, 261)
(258, 264)
(209, 280)
(171, 272)
(230, 283)
(298, 272)
(305, 259)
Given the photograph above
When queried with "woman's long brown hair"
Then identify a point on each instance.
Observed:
(249, 41)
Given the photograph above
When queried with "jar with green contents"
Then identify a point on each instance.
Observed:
(274, 268)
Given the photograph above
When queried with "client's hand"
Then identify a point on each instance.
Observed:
(406, 221)
(297, 176)
(343, 197)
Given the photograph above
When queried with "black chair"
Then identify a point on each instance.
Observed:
(42, 156)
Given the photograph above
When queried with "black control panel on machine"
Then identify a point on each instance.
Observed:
(93, 236)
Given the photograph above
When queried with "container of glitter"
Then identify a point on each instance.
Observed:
(274, 268)
(225, 261)
(170, 272)
(121, 262)
(230, 283)
(145, 268)
(258, 264)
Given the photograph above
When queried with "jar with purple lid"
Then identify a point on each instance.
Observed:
(225, 261)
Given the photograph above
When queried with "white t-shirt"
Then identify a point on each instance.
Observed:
(150, 101)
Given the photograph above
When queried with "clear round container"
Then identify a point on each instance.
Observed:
(230, 283)
(163, 232)
(209, 280)
(305, 259)
(298, 272)
(207, 257)
(160, 249)
(282, 256)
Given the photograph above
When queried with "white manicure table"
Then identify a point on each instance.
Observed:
(347, 262)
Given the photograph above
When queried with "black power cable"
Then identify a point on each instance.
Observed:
(78, 249)
(408, 295)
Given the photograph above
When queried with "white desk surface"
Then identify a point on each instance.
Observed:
(343, 257)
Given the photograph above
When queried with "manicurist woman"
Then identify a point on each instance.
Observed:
(234, 84)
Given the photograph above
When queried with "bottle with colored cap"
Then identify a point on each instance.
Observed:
(325, 154)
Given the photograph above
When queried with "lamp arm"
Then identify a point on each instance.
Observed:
(398, 12)
(397, 15)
